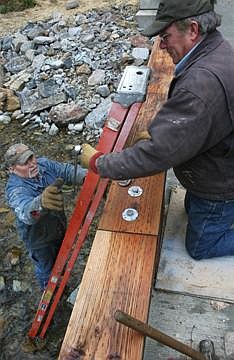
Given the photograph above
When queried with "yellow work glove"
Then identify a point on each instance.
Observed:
(87, 153)
(141, 135)
(52, 196)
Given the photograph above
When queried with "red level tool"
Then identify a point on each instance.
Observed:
(114, 136)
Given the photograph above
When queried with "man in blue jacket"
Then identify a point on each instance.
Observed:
(34, 193)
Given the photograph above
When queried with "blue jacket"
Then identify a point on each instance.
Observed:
(38, 226)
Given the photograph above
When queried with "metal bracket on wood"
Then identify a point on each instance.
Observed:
(133, 85)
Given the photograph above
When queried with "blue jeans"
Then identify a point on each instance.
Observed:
(209, 231)
(44, 260)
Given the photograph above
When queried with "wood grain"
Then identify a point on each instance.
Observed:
(121, 264)
(113, 279)
(148, 206)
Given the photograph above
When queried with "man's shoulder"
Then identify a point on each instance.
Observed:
(44, 161)
(14, 184)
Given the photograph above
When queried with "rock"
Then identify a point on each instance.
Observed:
(12, 101)
(48, 88)
(64, 114)
(53, 130)
(43, 40)
(103, 90)
(140, 53)
(72, 4)
(72, 297)
(76, 127)
(5, 119)
(18, 40)
(97, 117)
(83, 70)
(31, 104)
(2, 74)
(17, 64)
(17, 81)
(14, 255)
(8, 100)
(140, 41)
(16, 286)
(2, 283)
(96, 78)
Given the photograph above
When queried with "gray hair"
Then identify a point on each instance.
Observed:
(207, 22)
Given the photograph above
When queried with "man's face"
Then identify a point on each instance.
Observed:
(178, 43)
(28, 170)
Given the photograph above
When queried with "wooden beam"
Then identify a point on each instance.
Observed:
(112, 280)
(121, 264)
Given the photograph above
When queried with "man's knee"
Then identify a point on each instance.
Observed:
(194, 255)
(194, 251)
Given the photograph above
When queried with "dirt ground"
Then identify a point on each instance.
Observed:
(17, 309)
(45, 8)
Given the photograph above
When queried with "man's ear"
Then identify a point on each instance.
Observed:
(194, 29)
(11, 169)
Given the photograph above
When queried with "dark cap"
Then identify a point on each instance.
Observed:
(17, 154)
(170, 11)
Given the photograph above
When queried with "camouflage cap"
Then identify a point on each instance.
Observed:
(170, 11)
(17, 154)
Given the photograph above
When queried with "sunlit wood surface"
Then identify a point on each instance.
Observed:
(121, 264)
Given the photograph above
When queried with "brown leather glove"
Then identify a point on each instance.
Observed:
(52, 196)
(141, 135)
(87, 153)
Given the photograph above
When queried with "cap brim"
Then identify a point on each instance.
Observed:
(24, 157)
(155, 28)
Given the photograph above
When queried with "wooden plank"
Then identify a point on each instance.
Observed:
(121, 264)
(148, 205)
(113, 279)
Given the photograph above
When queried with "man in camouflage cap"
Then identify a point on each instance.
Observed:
(33, 191)
(193, 132)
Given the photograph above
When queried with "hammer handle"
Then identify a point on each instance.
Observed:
(151, 332)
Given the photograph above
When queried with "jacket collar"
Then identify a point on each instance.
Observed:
(208, 44)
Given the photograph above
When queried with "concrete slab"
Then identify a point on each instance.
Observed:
(226, 9)
(149, 4)
(144, 18)
(178, 272)
(188, 319)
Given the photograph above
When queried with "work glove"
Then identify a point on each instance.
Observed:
(87, 153)
(52, 196)
(141, 135)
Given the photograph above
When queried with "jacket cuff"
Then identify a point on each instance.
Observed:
(92, 162)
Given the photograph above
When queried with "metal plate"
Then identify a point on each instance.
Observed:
(133, 85)
(134, 80)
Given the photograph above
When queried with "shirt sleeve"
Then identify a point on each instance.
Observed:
(27, 208)
(66, 171)
(178, 132)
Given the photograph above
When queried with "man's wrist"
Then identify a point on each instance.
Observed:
(92, 162)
